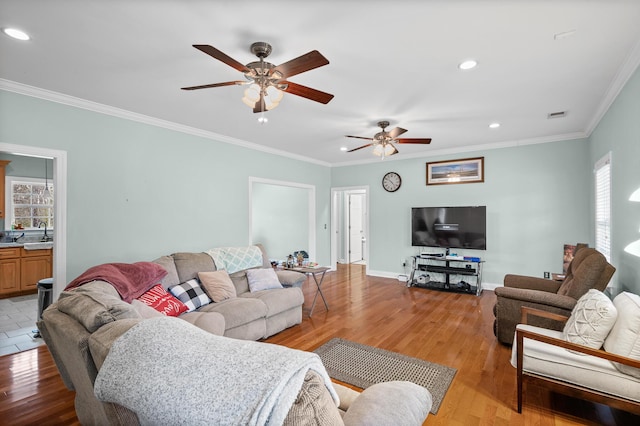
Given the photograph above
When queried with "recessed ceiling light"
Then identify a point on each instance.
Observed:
(467, 65)
(16, 33)
(494, 125)
(263, 120)
(343, 148)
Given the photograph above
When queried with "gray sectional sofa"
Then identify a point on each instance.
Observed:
(251, 315)
(90, 329)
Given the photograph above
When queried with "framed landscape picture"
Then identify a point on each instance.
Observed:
(466, 170)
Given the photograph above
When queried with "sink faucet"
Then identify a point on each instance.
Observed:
(45, 237)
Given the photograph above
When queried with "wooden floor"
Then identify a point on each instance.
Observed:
(447, 328)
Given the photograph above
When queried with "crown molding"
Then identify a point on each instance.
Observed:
(474, 148)
(623, 75)
(48, 95)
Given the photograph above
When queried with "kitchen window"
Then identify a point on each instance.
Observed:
(29, 203)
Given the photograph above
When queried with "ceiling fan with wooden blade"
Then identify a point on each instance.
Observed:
(383, 142)
(266, 81)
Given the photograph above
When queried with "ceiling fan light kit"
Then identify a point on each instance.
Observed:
(268, 82)
(383, 142)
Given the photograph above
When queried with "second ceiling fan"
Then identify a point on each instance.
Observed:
(383, 142)
(267, 81)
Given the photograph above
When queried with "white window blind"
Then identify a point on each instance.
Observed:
(603, 205)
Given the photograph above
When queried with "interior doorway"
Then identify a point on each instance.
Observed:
(282, 217)
(355, 225)
(350, 226)
(60, 213)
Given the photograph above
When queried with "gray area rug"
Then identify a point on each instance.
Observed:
(362, 366)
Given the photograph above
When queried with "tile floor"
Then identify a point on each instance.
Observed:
(18, 323)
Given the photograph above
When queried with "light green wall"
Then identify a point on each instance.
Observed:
(537, 199)
(280, 218)
(619, 133)
(27, 166)
(137, 191)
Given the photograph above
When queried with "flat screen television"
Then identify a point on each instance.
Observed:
(449, 227)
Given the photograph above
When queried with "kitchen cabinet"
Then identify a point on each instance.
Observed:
(34, 266)
(20, 270)
(3, 164)
(9, 270)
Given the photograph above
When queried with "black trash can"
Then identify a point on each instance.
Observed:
(45, 294)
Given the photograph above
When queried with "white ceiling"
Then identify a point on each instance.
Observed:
(388, 60)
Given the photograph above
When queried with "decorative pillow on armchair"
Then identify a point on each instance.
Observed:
(163, 302)
(218, 285)
(262, 279)
(191, 294)
(591, 320)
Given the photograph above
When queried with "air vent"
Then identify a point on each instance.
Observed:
(558, 114)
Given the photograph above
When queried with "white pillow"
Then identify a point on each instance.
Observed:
(591, 320)
(262, 279)
(624, 338)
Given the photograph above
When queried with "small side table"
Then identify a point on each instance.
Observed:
(314, 272)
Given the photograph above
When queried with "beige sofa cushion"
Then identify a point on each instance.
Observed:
(240, 282)
(172, 274)
(213, 322)
(189, 264)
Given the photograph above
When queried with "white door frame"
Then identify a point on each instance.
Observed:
(336, 192)
(350, 219)
(59, 207)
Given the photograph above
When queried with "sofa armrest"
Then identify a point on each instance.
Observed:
(532, 283)
(537, 297)
(599, 353)
(390, 403)
(528, 311)
(290, 278)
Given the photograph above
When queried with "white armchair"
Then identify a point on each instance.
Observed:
(546, 358)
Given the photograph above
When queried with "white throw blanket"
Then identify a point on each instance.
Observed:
(234, 259)
(170, 372)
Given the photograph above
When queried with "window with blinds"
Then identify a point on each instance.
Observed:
(603, 205)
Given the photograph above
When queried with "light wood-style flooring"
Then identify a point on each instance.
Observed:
(446, 328)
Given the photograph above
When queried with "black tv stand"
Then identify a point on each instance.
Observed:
(448, 273)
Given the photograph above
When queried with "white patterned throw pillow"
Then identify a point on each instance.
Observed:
(591, 320)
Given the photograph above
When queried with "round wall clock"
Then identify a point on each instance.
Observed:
(391, 182)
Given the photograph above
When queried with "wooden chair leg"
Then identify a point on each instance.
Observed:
(520, 350)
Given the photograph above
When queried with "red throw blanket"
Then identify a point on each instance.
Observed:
(129, 279)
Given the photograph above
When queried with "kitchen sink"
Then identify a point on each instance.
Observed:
(38, 245)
